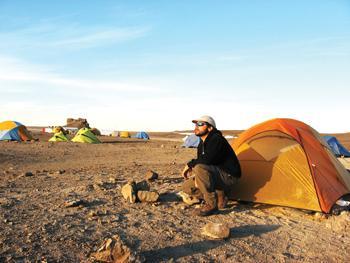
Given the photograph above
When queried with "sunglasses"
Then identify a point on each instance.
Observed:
(201, 123)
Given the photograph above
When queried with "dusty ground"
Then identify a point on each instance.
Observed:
(36, 226)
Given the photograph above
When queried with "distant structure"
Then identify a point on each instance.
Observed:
(77, 123)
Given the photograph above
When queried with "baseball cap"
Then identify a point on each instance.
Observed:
(207, 119)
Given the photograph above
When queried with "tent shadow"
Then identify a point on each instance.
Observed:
(189, 249)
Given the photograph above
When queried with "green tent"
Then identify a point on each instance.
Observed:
(59, 137)
(85, 135)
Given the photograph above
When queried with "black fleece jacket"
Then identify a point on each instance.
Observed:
(216, 150)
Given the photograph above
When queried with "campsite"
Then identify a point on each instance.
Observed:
(174, 131)
(60, 201)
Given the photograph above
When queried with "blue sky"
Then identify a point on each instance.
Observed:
(156, 65)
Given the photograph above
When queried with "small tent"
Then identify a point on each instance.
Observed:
(142, 135)
(124, 134)
(59, 137)
(85, 135)
(337, 148)
(14, 131)
(191, 141)
(286, 162)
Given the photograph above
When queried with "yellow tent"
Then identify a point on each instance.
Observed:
(59, 137)
(85, 135)
(124, 134)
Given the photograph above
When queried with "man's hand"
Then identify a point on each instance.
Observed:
(186, 172)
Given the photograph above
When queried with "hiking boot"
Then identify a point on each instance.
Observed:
(206, 210)
(147, 196)
(222, 200)
(129, 192)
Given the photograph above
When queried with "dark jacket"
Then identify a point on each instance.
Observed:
(217, 151)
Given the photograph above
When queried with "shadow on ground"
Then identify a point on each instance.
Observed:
(190, 249)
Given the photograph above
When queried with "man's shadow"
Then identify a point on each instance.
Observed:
(203, 246)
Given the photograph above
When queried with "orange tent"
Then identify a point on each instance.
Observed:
(286, 162)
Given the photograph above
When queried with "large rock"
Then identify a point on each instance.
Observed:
(216, 231)
(129, 192)
(77, 123)
(113, 250)
(143, 186)
(147, 196)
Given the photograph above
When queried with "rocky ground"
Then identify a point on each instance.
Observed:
(60, 201)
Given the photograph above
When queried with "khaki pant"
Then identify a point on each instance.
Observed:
(206, 180)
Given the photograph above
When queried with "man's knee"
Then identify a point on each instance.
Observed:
(201, 169)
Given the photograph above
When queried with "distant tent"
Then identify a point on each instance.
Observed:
(286, 162)
(124, 134)
(191, 141)
(142, 135)
(85, 135)
(115, 133)
(337, 148)
(59, 137)
(14, 131)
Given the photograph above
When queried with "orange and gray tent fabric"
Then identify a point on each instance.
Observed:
(14, 131)
(286, 162)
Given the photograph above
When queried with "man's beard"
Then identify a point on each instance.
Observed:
(198, 133)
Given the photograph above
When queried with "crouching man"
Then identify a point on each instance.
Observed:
(215, 170)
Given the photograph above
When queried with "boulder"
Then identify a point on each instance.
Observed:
(147, 196)
(216, 231)
(129, 192)
(151, 176)
(113, 250)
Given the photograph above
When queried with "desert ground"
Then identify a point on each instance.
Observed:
(38, 179)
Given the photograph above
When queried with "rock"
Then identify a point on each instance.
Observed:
(28, 174)
(147, 196)
(188, 199)
(216, 231)
(143, 186)
(151, 176)
(89, 188)
(113, 250)
(61, 171)
(74, 203)
(129, 192)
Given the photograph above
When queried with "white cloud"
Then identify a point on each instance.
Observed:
(14, 70)
(58, 34)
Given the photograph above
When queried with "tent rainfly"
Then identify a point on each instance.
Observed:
(286, 162)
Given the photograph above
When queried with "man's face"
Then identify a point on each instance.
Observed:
(201, 128)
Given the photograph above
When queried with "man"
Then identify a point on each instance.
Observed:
(214, 171)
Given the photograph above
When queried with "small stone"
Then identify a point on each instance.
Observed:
(147, 196)
(129, 192)
(216, 231)
(61, 171)
(143, 186)
(74, 203)
(114, 250)
(27, 174)
(188, 199)
(151, 176)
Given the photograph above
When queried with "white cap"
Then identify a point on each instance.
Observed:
(207, 119)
